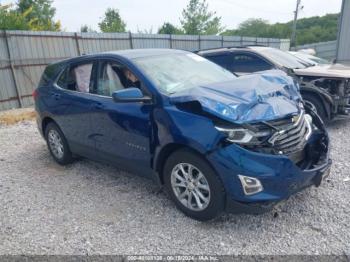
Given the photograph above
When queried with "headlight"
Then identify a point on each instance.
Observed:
(242, 135)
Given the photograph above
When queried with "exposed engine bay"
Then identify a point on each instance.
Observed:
(335, 92)
(302, 137)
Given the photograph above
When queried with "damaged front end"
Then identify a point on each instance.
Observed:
(290, 136)
(268, 137)
(331, 83)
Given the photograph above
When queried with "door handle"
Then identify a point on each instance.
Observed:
(99, 106)
(55, 95)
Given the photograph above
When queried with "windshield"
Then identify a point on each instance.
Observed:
(283, 58)
(311, 58)
(176, 72)
(319, 60)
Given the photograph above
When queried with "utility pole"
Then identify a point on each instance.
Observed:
(294, 30)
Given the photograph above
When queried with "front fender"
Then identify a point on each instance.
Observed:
(177, 127)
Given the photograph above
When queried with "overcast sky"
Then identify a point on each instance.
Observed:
(147, 14)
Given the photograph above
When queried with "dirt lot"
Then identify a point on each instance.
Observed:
(90, 208)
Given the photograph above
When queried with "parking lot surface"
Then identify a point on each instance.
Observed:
(91, 208)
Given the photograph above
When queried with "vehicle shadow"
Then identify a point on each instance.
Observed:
(337, 123)
(155, 197)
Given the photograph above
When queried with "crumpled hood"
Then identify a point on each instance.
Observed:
(332, 70)
(252, 98)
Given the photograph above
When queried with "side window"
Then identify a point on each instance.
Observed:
(112, 77)
(49, 73)
(223, 60)
(249, 63)
(77, 78)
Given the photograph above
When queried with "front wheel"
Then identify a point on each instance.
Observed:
(193, 185)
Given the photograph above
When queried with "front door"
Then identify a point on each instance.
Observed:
(122, 131)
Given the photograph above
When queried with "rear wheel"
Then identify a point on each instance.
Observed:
(317, 105)
(57, 144)
(193, 185)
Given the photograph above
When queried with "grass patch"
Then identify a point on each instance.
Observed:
(14, 116)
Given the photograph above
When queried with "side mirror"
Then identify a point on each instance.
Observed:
(131, 94)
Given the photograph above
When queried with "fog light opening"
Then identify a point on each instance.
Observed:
(250, 185)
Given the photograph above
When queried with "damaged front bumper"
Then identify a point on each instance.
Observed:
(278, 174)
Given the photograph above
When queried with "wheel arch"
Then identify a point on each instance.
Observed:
(166, 152)
(45, 122)
(325, 104)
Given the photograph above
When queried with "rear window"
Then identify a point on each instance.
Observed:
(77, 78)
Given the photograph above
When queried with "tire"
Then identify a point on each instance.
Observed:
(214, 192)
(317, 105)
(64, 155)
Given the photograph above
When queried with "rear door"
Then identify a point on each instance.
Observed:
(73, 100)
(122, 131)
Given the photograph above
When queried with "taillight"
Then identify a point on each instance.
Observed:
(35, 94)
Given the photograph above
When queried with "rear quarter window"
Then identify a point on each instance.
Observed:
(49, 74)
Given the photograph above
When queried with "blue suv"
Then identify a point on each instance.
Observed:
(216, 142)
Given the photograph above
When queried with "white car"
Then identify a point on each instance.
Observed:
(326, 87)
(310, 58)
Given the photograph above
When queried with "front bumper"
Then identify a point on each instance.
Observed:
(279, 176)
(233, 206)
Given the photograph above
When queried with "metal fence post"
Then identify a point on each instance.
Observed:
(222, 41)
(77, 43)
(20, 102)
(170, 41)
(199, 42)
(130, 39)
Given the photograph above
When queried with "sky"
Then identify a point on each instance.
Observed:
(151, 14)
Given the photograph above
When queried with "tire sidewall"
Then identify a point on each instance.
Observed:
(217, 192)
(317, 105)
(67, 156)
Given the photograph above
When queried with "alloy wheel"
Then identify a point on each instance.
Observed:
(56, 144)
(190, 186)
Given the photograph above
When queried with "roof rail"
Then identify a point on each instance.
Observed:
(229, 47)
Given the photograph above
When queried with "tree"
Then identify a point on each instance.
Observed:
(86, 29)
(41, 17)
(197, 19)
(112, 22)
(12, 20)
(168, 28)
(309, 30)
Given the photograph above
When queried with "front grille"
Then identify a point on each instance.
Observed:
(289, 135)
(293, 137)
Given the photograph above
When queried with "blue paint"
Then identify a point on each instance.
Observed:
(134, 135)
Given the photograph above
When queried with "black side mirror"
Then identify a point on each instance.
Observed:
(131, 94)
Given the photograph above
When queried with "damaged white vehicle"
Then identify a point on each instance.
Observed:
(326, 88)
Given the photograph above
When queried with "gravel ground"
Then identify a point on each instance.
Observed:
(90, 208)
